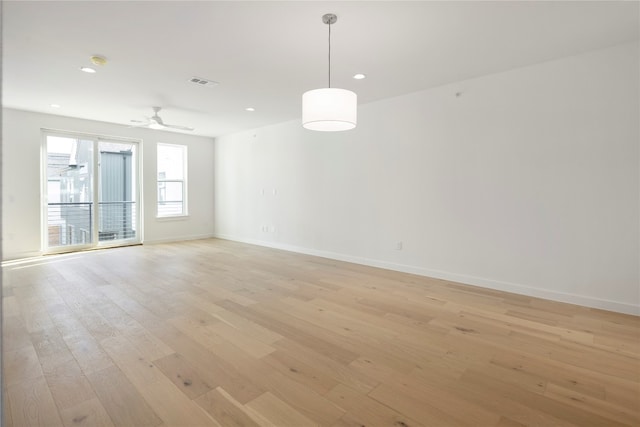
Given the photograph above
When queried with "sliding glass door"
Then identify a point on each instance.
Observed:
(91, 192)
(117, 213)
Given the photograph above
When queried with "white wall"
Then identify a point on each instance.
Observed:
(526, 182)
(21, 209)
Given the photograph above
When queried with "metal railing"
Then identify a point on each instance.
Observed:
(72, 223)
(117, 220)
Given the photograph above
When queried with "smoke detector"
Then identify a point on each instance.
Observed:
(98, 60)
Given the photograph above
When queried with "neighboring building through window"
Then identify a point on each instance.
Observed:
(172, 180)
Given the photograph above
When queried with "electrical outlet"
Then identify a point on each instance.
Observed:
(399, 246)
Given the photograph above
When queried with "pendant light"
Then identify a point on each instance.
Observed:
(329, 109)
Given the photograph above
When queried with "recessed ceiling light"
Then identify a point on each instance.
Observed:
(250, 109)
(359, 76)
(54, 105)
(87, 69)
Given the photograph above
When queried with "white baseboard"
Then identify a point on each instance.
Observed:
(20, 256)
(454, 277)
(179, 239)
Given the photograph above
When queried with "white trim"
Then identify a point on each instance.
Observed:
(454, 277)
(179, 239)
(172, 218)
(74, 134)
(22, 255)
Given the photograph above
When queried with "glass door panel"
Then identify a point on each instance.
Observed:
(117, 191)
(69, 172)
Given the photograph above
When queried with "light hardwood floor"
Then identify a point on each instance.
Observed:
(214, 333)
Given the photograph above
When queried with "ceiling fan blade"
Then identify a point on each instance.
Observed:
(156, 122)
(140, 124)
(178, 127)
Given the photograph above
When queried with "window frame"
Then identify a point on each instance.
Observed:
(185, 211)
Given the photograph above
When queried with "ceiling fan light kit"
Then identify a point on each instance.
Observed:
(329, 109)
(155, 125)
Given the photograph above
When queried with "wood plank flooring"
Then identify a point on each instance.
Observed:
(218, 333)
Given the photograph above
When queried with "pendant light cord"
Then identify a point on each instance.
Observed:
(329, 53)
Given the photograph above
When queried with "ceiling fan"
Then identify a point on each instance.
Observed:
(156, 122)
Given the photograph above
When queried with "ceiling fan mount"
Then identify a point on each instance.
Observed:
(156, 122)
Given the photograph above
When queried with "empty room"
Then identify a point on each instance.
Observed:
(312, 213)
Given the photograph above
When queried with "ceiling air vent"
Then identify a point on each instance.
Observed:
(203, 82)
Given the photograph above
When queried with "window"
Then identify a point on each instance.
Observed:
(172, 180)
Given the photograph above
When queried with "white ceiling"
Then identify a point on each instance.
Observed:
(266, 54)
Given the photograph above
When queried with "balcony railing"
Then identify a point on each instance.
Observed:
(72, 223)
(117, 220)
